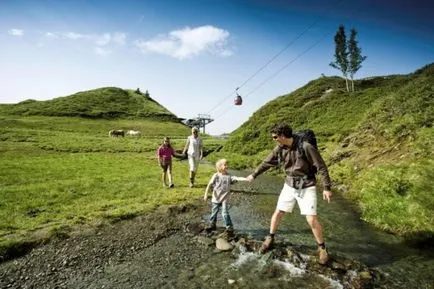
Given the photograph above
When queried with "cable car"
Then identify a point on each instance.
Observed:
(238, 100)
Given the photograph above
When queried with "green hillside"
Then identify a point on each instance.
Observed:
(107, 102)
(378, 142)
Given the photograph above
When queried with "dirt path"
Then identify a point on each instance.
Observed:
(144, 252)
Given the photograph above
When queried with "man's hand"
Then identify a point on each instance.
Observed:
(250, 178)
(326, 195)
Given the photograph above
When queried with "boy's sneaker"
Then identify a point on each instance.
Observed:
(191, 185)
(171, 185)
(230, 232)
(210, 228)
(268, 243)
(323, 256)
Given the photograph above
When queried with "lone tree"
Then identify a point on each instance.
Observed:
(356, 57)
(341, 53)
(348, 55)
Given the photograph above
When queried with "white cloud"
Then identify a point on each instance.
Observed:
(16, 32)
(119, 38)
(51, 35)
(98, 39)
(73, 35)
(103, 39)
(102, 51)
(188, 42)
(106, 38)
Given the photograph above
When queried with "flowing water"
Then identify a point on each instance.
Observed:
(346, 235)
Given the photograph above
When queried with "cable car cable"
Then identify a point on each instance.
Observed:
(278, 54)
(278, 71)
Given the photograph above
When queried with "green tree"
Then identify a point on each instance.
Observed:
(341, 54)
(147, 95)
(356, 58)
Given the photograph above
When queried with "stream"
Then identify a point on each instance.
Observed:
(346, 235)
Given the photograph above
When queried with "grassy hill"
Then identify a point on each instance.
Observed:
(378, 142)
(107, 102)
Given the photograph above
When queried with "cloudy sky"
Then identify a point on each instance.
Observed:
(191, 55)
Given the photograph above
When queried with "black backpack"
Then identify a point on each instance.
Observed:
(302, 136)
(309, 136)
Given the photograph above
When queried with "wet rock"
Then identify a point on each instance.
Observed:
(223, 245)
(365, 275)
(338, 266)
(194, 228)
(294, 257)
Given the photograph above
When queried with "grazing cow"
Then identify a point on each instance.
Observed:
(116, 133)
(135, 133)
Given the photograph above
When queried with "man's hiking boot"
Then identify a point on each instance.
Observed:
(323, 256)
(268, 244)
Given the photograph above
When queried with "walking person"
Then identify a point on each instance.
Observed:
(194, 149)
(220, 183)
(300, 183)
(164, 157)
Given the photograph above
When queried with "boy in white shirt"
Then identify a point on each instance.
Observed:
(221, 184)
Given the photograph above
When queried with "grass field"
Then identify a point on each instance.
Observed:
(57, 173)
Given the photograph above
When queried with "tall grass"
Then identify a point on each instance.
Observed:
(397, 198)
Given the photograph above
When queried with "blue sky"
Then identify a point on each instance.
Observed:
(192, 55)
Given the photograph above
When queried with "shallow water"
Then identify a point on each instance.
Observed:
(346, 235)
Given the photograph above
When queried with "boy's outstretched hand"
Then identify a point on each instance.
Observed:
(326, 195)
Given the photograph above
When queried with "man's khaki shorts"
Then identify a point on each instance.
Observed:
(305, 198)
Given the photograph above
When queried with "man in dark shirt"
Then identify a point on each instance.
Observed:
(300, 183)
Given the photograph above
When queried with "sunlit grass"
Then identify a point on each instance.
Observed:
(59, 178)
(395, 197)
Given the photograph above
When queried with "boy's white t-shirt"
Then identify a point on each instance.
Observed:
(222, 185)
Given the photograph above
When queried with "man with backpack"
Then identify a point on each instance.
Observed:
(301, 160)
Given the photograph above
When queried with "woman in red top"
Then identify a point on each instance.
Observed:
(164, 156)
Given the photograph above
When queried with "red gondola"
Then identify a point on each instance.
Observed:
(238, 99)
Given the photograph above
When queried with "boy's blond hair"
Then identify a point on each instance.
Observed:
(219, 164)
